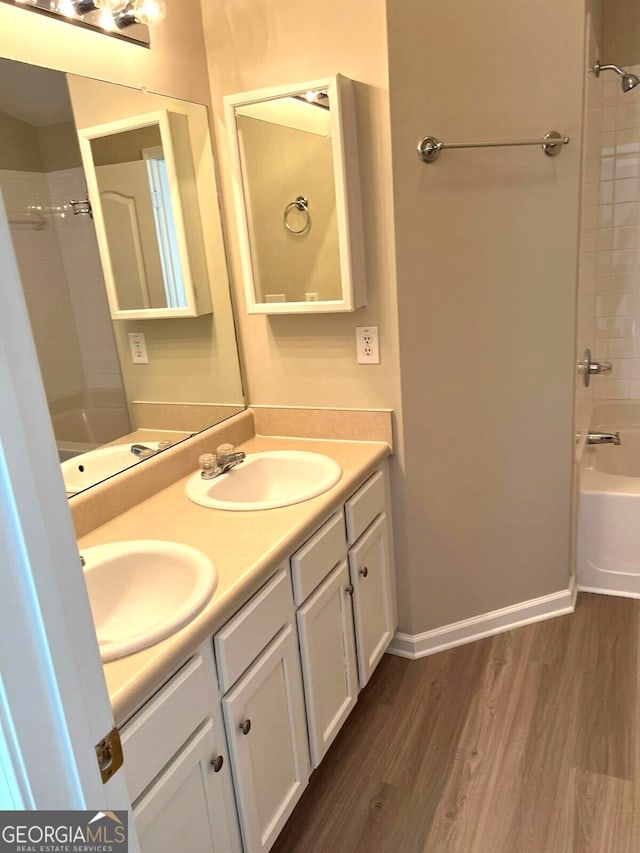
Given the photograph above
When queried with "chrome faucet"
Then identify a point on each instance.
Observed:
(144, 452)
(604, 438)
(224, 459)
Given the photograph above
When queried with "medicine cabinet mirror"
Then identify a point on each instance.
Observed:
(297, 194)
(142, 190)
(137, 379)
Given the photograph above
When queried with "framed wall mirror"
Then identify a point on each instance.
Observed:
(144, 202)
(297, 195)
(110, 383)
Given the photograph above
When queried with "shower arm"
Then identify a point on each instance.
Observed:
(597, 68)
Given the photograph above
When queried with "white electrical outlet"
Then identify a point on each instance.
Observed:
(138, 347)
(367, 345)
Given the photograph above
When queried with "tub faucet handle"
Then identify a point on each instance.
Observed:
(596, 367)
(604, 438)
(588, 368)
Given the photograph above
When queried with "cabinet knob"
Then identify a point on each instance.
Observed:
(216, 762)
(245, 727)
(349, 589)
(364, 572)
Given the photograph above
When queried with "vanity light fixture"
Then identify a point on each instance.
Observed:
(124, 19)
(122, 13)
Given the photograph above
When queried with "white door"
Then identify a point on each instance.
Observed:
(266, 730)
(129, 221)
(185, 807)
(54, 705)
(328, 652)
(372, 596)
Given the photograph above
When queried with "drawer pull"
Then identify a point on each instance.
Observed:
(245, 727)
(349, 589)
(216, 762)
(364, 572)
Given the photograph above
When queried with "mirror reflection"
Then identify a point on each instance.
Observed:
(130, 382)
(134, 195)
(144, 196)
(289, 187)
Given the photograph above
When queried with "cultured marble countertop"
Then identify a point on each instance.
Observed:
(245, 547)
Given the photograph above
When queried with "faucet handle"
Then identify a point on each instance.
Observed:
(225, 449)
(164, 445)
(207, 463)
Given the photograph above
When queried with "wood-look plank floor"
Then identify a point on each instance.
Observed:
(522, 743)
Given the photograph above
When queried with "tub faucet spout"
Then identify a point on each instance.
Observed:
(604, 438)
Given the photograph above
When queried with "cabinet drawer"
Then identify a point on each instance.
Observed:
(317, 557)
(154, 735)
(364, 506)
(242, 639)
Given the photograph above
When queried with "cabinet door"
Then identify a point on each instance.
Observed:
(188, 807)
(266, 729)
(372, 596)
(329, 670)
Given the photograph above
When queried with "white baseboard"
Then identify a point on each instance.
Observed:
(469, 630)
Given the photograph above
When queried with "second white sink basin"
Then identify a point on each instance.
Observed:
(92, 467)
(142, 591)
(267, 480)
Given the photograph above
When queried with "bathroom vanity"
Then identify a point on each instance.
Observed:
(223, 722)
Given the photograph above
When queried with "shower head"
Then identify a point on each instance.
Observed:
(628, 82)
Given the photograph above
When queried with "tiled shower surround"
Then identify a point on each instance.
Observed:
(62, 280)
(610, 243)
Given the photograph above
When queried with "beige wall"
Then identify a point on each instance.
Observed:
(37, 149)
(59, 147)
(487, 248)
(126, 146)
(310, 360)
(621, 32)
(19, 149)
(279, 164)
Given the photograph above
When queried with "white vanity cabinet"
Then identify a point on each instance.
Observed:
(372, 574)
(328, 652)
(289, 665)
(346, 609)
(177, 768)
(264, 711)
(322, 589)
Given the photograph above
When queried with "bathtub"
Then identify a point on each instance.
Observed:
(608, 553)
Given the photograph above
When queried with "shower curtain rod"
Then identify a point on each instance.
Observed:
(37, 222)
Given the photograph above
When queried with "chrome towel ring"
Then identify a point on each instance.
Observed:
(301, 203)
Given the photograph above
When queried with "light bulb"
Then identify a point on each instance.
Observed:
(150, 12)
(111, 6)
(106, 20)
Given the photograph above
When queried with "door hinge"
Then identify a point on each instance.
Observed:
(109, 754)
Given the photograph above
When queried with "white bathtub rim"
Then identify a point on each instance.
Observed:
(601, 590)
(594, 482)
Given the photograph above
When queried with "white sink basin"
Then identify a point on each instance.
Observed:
(143, 591)
(266, 481)
(90, 468)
